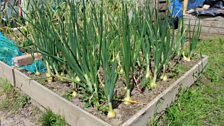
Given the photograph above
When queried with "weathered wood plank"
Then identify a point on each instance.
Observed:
(209, 23)
(207, 35)
(218, 31)
(162, 101)
(7, 73)
(210, 36)
(204, 18)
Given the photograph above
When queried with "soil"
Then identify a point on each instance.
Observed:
(123, 112)
(25, 116)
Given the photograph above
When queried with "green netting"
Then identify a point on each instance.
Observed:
(8, 50)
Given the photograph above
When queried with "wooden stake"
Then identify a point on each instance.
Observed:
(20, 8)
(185, 4)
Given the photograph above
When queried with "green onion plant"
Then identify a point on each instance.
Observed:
(194, 35)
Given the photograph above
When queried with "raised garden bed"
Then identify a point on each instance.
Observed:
(77, 116)
(106, 68)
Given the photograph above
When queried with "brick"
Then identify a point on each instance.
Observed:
(25, 59)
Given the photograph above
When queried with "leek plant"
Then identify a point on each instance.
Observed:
(126, 50)
(179, 38)
(146, 46)
(110, 75)
(155, 43)
(45, 42)
(80, 47)
(194, 34)
(109, 63)
(131, 44)
(159, 47)
(168, 44)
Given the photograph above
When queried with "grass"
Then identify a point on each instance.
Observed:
(203, 103)
(11, 100)
(51, 119)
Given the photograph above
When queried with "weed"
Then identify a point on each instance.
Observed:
(4, 104)
(51, 119)
(12, 100)
(68, 95)
(20, 101)
(5, 85)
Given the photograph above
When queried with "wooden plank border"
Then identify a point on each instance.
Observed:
(7, 72)
(76, 116)
(204, 18)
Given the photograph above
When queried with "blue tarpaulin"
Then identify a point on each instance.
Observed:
(8, 50)
(176, 6)
(192, 4)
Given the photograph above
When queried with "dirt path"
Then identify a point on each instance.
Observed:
(15, 111)
(23, 117)
(15, 120)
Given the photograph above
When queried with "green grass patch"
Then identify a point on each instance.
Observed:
(20, 101)
(10, 99)
(51, 119)
(4, 104)
(5, 86)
